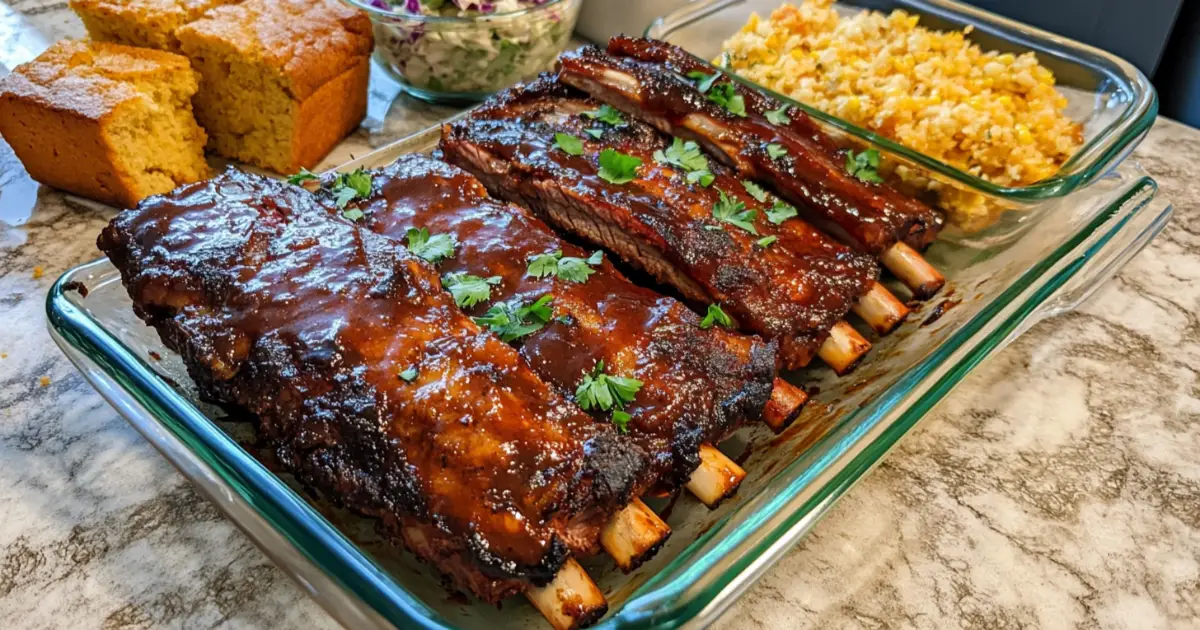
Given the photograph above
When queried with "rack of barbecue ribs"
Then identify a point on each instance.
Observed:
(375, 389)
(692, 223)
(574, 316)
(681, 95)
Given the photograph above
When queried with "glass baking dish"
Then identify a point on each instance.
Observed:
(1115, 102)
(996, 291)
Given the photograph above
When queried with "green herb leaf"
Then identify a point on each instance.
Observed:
(716, 316)
(607, 114)
(734, 212)
(604, 391)
(434, 248)
(511, 320)
(569, 268)
(778, 116)
(409, 375)
(755, 190)
(780, 212)
(703, 81)
(726, 96)
(595, 132)
(353, 214)
(864, 166)
(347, 187)
(570, 145)
(618, 168)
(303, 176)
(469, 290)
(686, 156)
(767, 241)
(620, 420)
(776, 151)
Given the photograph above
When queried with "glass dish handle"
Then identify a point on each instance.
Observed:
(1106, 254)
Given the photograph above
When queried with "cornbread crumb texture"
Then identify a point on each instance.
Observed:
(282, 81)
(996, 116)
(105, 121)
(148, 23)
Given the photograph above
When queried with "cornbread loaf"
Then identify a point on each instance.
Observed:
(282, 81)
(109, 122)
(148, 23)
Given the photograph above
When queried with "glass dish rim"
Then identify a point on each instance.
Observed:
(377, 14)
(654, 603)
(1106, 149)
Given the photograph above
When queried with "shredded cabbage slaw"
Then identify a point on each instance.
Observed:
(487, 53)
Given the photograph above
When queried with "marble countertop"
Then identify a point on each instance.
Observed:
(1057, 487)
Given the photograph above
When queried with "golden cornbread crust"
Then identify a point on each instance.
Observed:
(283, 81)
(148, 23)
(105, 121)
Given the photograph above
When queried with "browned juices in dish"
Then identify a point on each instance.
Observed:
(697, 385)
(369, 382)
(649, 79)
(792, 289)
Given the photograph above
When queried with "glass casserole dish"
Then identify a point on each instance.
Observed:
(1113, 101)
(998, 290)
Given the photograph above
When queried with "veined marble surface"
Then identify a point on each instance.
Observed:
(1057, 487)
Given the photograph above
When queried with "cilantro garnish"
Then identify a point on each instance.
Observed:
(778, 116)
(409, 375)
(303, 176)
(569, 268)
(606, 114)
(755, 190)
(434, 248)
(604, 391)
(687, 157)
(353, 214)
(469, 290)
(776, 151)
(767, 241)
(726, 96)
(347, 187)
(780, 212)
(511, 320)
(716, 316)
(618, 168)
(864, 166)
(734, 212)
(620, 420)
(595, 132)
(570, 145)
(703, 81)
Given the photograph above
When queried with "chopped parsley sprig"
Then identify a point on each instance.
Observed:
(686, 156)
(606, 114)
(571, 145)
(732, 211)
(567, 268)
(469, 290)
(433, 248)
(347, 187)
(617, 167)
(513, 320)
(778, 116)
(716, 316)
(725, 94)
(606, 392)
(780, 212)
(776, 151)
(864, 166)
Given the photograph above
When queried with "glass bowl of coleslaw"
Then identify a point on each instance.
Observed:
(462, 51)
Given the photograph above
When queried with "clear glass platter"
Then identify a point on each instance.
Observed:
(998, 288)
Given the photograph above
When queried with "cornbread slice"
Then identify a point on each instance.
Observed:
(109, 122)
(282, 81)
(147, 23)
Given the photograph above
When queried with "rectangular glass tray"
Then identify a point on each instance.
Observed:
(998, 287)
(1113, 100)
